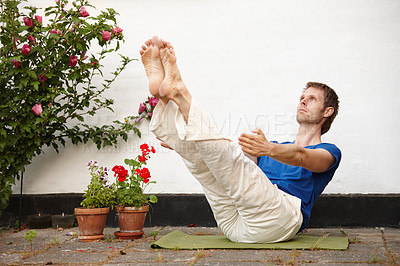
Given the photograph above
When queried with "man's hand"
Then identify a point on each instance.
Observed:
(164, 145)
(255, 144)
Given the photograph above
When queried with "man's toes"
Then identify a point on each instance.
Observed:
(158, 42)
(168, 44)
(144, 47)
(154, 40)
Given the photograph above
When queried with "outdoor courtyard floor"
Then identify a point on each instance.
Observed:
(52, 247)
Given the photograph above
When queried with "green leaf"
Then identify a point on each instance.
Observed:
(35, 85)
(129, 162)
(32, 74)
(153, 199)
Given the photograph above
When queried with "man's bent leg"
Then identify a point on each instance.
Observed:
(266, 214)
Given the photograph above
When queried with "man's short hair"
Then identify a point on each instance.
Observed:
(331, 100)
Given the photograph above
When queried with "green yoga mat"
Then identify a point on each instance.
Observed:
(181, 240)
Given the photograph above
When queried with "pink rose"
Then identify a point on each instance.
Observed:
(153, 101)
(16, 63)
(37, 109)
(73, 60)
(32, 39)
(53, 31)
(28, 22)
(117, 30)
(142, 108)
(39, 19)
(26, 49)
(83, 12)
(106, 35)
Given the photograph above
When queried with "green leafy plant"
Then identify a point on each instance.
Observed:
(130, 188)
(100, 193)
(48, 77)
(154, 234)
(30, 235)
(108, 238)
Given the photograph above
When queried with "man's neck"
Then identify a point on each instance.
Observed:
(308, 135)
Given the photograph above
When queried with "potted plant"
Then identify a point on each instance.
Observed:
(133, 204)
(98, 198)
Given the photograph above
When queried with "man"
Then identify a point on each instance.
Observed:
(268, 202)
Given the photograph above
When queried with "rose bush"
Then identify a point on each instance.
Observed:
(47, 80)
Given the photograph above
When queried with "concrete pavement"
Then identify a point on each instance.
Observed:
(52, 247)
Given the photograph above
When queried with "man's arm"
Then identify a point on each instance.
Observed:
(315, 160)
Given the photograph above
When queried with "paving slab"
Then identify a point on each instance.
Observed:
(367, 245)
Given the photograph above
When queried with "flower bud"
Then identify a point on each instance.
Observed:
(142, 108)
(28, 22)
(83, 12)
(39, 19)
(117, 30)
(16, 63)
(153, 101)
(106, 35)
(37, 109)
(73, 61)
(26, 49)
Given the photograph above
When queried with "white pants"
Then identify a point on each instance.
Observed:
(248, 208)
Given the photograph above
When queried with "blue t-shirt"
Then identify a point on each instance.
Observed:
(298, 181)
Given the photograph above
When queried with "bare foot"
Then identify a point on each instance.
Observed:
(172, 82)
(150, 53)
(172, 87)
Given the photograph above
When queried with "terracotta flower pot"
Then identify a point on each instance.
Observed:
(130, 221)
(91, 223)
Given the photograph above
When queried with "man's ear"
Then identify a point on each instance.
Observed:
(329, 111)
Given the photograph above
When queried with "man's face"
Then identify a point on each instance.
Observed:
(311, 106)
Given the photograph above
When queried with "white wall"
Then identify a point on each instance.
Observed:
(247, 62)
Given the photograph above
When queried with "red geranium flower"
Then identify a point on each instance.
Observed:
(145, 173)
(121, 172)
(142, 158)
(144, 146)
